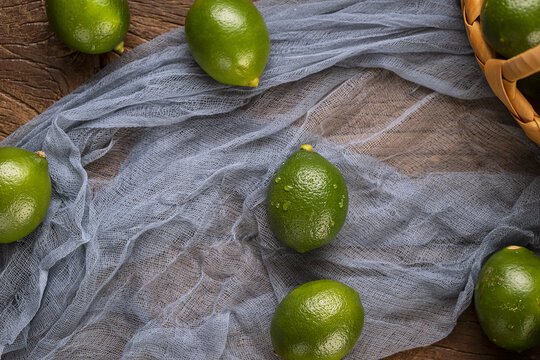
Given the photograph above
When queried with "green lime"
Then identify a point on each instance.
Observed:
(90, 26)
(530, 86)
(25, 192)
(307, 201)
(512, 27)
(229, 40)
(507, 298)
(320, 320)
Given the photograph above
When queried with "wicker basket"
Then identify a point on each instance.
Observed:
(502, 74)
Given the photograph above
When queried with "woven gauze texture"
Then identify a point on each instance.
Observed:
(157, 243)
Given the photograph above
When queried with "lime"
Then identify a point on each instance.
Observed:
(229, 40)
(320, 320)
(25, 192)
(512, 27)
(90, 26)
(507, 298)
(307, 201)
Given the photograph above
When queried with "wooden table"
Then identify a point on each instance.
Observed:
(36, 70)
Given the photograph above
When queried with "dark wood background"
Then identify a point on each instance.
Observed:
(36, 70)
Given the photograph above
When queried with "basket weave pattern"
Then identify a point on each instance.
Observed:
(501, 74)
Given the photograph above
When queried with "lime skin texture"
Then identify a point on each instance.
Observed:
(307, 201)
(229, 40)
(319, 320)
(90, 26)
(507, 298)
(25, 192)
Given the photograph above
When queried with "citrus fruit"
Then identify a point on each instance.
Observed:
(90, 26)
(307, 201)
(530, 86)
(507, 298)
(25, 192)
(229, 40)
(512, 27)
(320, 320)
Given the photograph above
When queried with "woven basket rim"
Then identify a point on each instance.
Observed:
(502, 74)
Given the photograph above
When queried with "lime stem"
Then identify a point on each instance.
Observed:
(119, 49)
(41, 153)
(306, 147)
(253, 82)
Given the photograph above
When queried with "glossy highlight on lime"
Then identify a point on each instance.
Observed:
(90, 26)
(319, 320)
(25, 192)
(229, 40)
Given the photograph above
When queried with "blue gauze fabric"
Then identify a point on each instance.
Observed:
(157, 244)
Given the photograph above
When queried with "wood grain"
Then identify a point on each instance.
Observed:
(36, 70)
